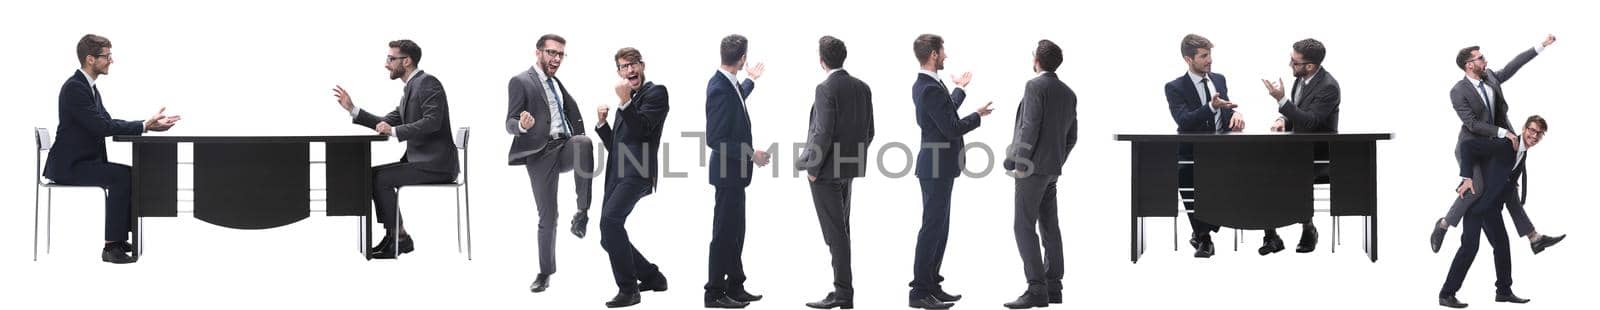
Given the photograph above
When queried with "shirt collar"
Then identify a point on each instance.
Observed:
(1195, 78)
(732, 77)
(832, 71)
(87, 77)
(934, 75)
(414, 74)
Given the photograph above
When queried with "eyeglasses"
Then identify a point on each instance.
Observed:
(1536, 133)
(555, 53)
(393, 58)
(634, 65)
(1298, 63)
(106, 56)
(1479, 58)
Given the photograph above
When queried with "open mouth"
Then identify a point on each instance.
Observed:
(634, 80)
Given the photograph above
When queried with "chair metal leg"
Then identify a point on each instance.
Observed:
(36, 221)
(1174, 233)
(49, 219)
(458, 221)
(467, 198)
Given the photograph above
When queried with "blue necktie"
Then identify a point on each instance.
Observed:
(561, 107)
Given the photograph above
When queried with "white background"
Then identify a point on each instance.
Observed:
(266, 68)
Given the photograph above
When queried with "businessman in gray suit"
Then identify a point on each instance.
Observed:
(1046, 131)
(422, 120)
(835, 154)
(548, 139)
(1481, 105)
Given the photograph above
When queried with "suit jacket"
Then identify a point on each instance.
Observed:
(1500, 171)
(527, 93)
(1476, 122)
(1469, 105)
(1047, 127)
(1192, 115)
(841, 128)
(422, 121)
(633, 143)
(82, 130)
(1314, 107)
(728, 131)
(942, 130)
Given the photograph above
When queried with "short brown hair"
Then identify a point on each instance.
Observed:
(549, 37)
(630, 54)
(925, 45)
(1192, 44)
(1537, 119)
(90, 45)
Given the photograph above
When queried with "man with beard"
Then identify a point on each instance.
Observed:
(422, 121)
(547, 139)
(78, 156)
(1481, 105)
(728, 136)
(1312, 106)
(939, 161)
(1198, 101)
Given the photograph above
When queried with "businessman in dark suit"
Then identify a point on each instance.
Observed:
(631, 165)
(1198, 101)
(1311, 106)
(835, 154)
(422, 121)
(728, 136)
(548, 139)
(1045, 132)
(1501, 162)
(79, 153)
(1481, 105)
(939, 161)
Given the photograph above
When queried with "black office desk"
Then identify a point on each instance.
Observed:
(1254, 180)
(252, 182)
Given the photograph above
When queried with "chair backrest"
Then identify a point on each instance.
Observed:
(461, 137)
(41, 138)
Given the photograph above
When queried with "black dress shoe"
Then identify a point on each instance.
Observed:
(540, 283)
(725, 303)
(385, 249)
(929, 302)
(832, 301)
(1511, 298)
(1308, 240)
(1437, 238)
(117, 253)
(743, 295)
(1545, 242)
(1270, 244)
(1029, 300)
(623, 299)
(941, 295)
(1451, 302)
(1205, 249)
(653, 285)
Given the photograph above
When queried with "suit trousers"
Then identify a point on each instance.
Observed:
(386, 182)
(1036, 214)
(1492, 226)
(117, 179)
(726, 268)
(933, 236)
(831, 196)
(544, 171)
(628, 265)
